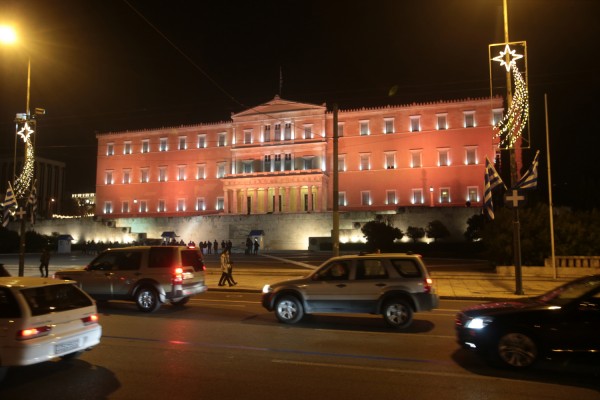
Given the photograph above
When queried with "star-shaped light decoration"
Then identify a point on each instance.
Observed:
(25, 132)
(509, 54)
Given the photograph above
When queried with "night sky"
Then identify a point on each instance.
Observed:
(112, 65)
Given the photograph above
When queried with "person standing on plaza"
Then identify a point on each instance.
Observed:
(226, 269)
(216, 247)
(209, 244)
(44, 262)
(256, 246)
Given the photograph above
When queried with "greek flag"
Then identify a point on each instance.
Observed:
(10, 201)
(530, 177)
(492, 180)
(32, 200)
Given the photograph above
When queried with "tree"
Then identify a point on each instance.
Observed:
(415, 233)
(437, 230)
(475, 226)
(380, 235)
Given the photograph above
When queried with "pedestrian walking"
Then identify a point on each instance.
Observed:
(226, 269)
(256, 246)
(44, 262)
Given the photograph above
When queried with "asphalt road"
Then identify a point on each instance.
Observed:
(225, 346)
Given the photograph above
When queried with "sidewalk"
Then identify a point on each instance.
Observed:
(449, 285)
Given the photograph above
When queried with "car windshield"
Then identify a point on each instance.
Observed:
(570, 291)
(54, 298)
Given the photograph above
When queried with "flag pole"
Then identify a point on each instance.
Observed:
(550, 205)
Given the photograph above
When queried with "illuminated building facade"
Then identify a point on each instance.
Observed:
(277, 158)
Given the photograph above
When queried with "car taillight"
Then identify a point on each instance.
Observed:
(30, 333)
(178, 276)
(91, 319)
(427, 285)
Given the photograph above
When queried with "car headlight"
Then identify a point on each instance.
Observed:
(267, 289)
(478, 322)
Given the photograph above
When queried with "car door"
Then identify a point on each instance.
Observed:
(97, 278)
(369, 281)
(327, 291)
(125, 272)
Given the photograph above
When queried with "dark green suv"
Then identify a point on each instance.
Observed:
(148, 275)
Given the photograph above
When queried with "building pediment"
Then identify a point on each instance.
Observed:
(277, 107)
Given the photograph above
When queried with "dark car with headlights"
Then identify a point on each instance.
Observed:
(517, 333)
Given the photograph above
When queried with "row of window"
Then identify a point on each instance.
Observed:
(277, 134)
(391, 198)
(276, 163)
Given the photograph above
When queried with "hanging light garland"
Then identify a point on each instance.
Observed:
(511, 126)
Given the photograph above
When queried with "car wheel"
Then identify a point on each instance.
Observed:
(288, 309)
(72, 356)
(517, 350)
(397, 313)
(147, 299)
(181, 301)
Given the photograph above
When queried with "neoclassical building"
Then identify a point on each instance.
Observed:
(277, 157)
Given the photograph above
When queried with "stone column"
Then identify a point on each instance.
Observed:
(255, 202)
(310, 198)
(288, 204)
(234, 198)
(319, 198)
(276, 204)
(226, 201)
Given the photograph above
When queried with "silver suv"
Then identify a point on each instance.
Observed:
(394, 285)
(148, 275)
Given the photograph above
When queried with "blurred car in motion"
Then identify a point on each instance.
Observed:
(147, 275)
(394, 285)
(517, 333)
(42, 318)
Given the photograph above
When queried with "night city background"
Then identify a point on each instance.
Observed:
(112, 65)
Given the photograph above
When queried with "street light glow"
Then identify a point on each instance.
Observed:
(7, 35)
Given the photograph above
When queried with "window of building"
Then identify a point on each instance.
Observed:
(417, 196)
(415, 158)
(220, 204)
(469, 119)
(288, 131)
(143, 206)
(267, 164)
(182, 145)
(221, 170)
(267, 133)
(108, 207)
(277, 162)
(247, 166)
(308, 134)
(277, 131)
(415, 123)
(388, 125)
(162, 174)
(341, 162)
(390, 160)
(181, 172)
(127, 147)
(307, 162)
(390, 197)
(342, 199)
(108, 178)
(442, 122)
(444, 195)
(364, 128)
(201, 141)
(471, 155)
(200, 204)
(180, 205)
(473, 194)
(248, 136)
(365, 162)
(222, 139)
(162, 206)
(125, 207)
(110, 149)
(497, 115)
(200, 171)
(443, 157)
(145, 146)
(288, 166)
(162, 146)
(126, 176)
(365, 198)
(340, 129)
(144, 175)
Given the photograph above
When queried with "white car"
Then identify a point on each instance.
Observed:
(44, 318)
